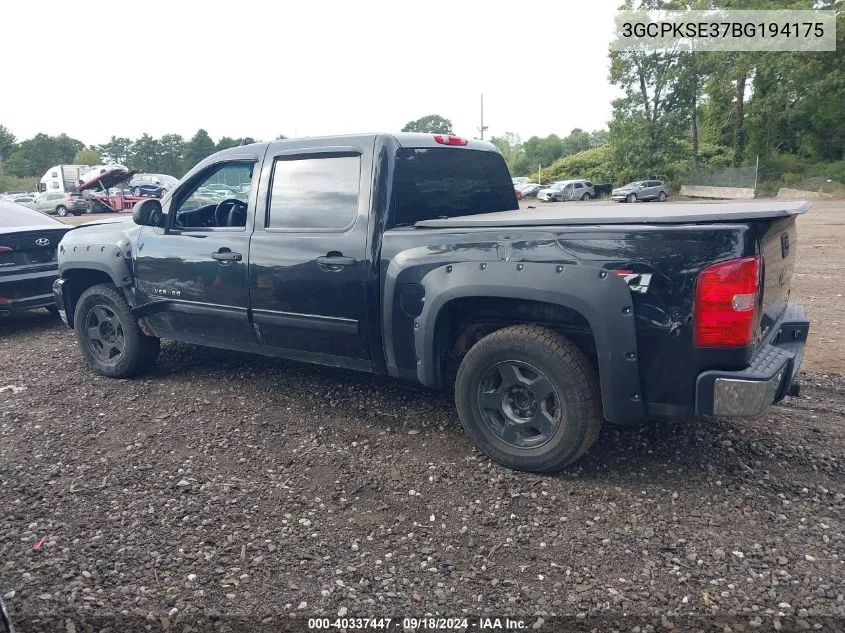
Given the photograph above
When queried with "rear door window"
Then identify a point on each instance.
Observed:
(436, 182)
(315, 193)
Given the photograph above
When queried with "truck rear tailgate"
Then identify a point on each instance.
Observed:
(778, 243)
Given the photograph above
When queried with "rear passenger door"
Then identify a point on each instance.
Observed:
(308, 263)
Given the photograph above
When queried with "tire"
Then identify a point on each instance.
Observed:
(632, 197)
(586, 196)
(545, 361)
(89, 210)
(661, 197)
(137, 191)
(61, 211)
(103, 310)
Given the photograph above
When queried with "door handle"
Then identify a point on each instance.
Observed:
(336, 260)
(226, 256)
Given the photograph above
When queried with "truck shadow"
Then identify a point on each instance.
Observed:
(29, 322)
(656, 450)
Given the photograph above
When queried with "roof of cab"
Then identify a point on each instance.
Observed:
(404, 139)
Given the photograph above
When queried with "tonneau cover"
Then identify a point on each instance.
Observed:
(618, 213)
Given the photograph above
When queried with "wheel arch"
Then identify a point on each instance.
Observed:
(599, 299)
(78, 280)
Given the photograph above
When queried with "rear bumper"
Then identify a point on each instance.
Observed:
(765, 381)
(26, 291)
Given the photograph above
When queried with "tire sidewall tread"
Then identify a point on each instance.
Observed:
(572, 375)
(140, 350)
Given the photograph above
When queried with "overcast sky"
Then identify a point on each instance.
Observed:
(261, 68)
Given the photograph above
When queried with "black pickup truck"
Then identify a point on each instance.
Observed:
(408, 255)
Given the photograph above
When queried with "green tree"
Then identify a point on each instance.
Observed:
(226, 142)
(430, 124)
(34, 156)
(577, 141)
(117, 150)
(510, 146)
(199, 147)
(87, 156)
(146, 154)
(8, 143)
(172, 155)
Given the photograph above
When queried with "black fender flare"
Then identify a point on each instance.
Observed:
(601, 297)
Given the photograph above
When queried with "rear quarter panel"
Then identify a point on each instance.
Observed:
(668, 258)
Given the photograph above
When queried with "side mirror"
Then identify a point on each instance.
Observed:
(148, 213)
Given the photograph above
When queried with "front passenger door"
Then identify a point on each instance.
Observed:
(191, 276)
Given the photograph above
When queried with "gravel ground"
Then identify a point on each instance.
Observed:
(228, 490)
(229, 485)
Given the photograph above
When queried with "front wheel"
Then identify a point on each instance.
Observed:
(109, 336)
(529, 398)
(632, 197)
(137, 191)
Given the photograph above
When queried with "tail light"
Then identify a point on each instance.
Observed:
(726, 297)
(445, 139)
(5, 249)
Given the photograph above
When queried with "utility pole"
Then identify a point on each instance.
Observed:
(482, 127)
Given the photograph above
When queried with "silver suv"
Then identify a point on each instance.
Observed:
(641, 190)
(567, 190)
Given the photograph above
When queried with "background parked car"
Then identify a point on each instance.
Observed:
(155, 185)
(60, 204)
(641, 190)
(11, 195)
(28, 265)
(22, 199)
(531, 189)
(222, 190)
(567, 190)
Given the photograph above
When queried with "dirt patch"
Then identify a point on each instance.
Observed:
(818, 284)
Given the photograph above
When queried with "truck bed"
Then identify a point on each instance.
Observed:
(616, 213)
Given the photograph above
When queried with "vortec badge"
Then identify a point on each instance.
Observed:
(42, 241)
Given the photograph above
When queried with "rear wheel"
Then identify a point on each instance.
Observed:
(661, 197)
(632, 197)
(109, 336)
(529, 398)
(137, 191)
(61, 211)
(586, 196)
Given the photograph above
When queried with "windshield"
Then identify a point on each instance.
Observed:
(631, 185)
(438, 182)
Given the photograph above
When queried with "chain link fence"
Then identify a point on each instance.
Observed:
(704, 176)
(722, 177)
